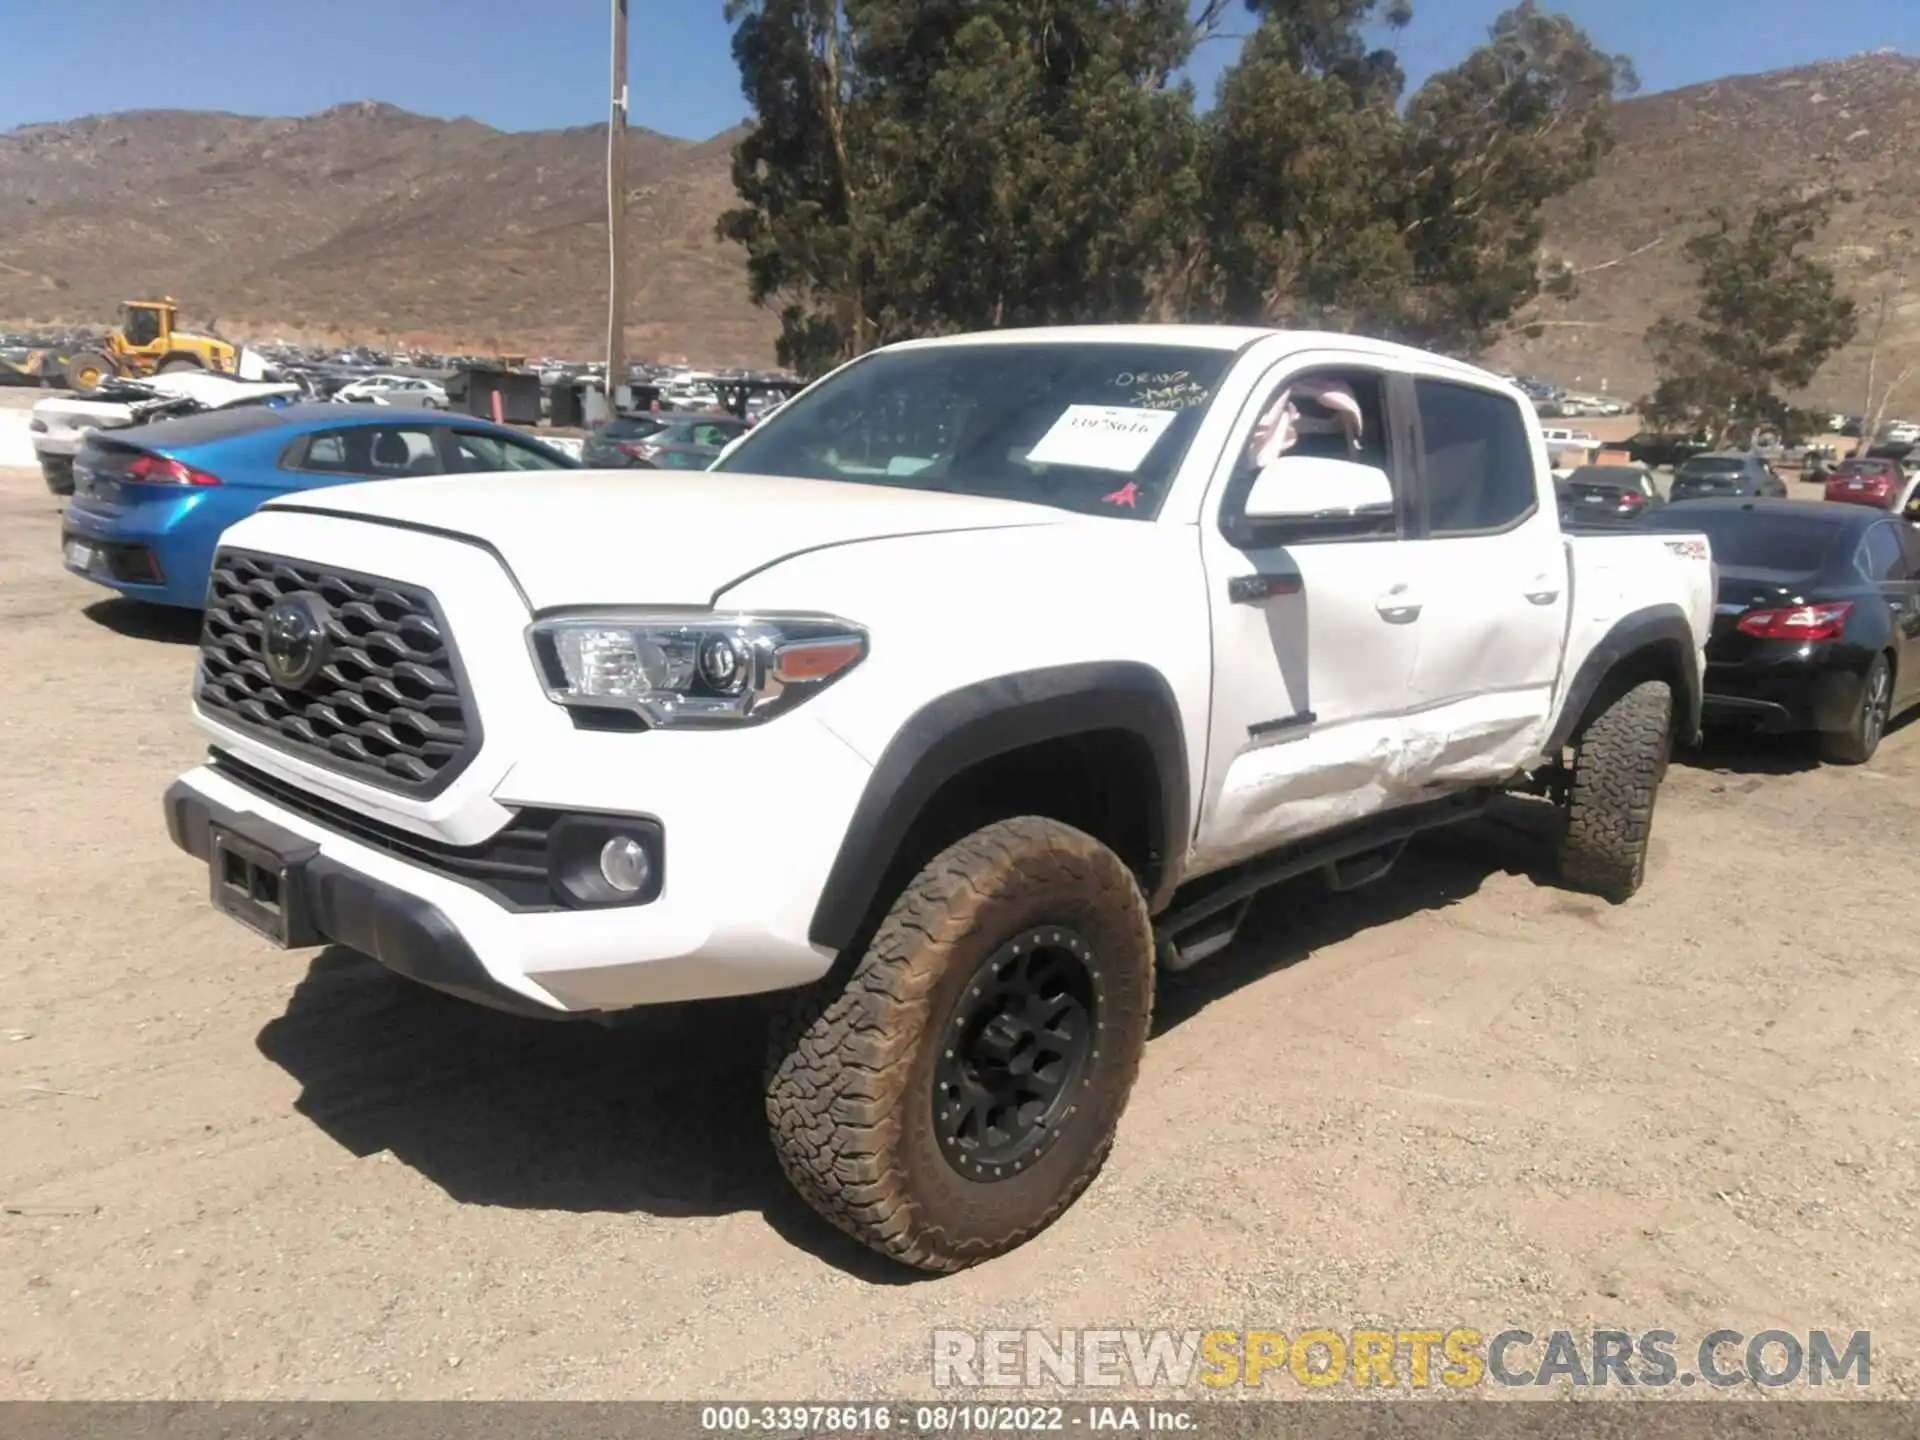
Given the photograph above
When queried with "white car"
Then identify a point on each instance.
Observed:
(990, 675)
(407, 390)
(59, 426)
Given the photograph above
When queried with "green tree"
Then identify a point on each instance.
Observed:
(1326, 202)
(1490, 145)
(1769, 317)
(916, 166)
(925, 165)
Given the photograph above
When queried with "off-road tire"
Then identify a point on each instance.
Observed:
(851, 1065)
(174, 364)
(1618, 763)
(1855, 744)
(78, 365)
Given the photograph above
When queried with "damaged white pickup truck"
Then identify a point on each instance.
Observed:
(989, 675)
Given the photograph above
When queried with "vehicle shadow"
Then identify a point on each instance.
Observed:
(1747, 752)
(138, 620)
(1288, 924)
(658, 1115)
(661, 1113)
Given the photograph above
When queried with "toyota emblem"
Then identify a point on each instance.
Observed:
(294, 640)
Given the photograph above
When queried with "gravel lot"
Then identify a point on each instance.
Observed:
(1462, 1097)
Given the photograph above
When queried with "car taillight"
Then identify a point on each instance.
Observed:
(632, 449)
(1798, 622)
(1632, 499)
(163, 470)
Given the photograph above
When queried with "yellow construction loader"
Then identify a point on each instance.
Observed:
(147, 343)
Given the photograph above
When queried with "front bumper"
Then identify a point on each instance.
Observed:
(729, 922)
(409, 935)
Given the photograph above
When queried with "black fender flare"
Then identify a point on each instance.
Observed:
(1656, 628)
(980, 722)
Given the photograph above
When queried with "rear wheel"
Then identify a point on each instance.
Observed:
(1618, 763)
(175, 364)
(1855, 745)
(960, 1090)
(88, 371)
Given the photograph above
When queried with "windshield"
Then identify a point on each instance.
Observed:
(1616, 477)
(1712, 466)
(1756, 539)
(1095, 427)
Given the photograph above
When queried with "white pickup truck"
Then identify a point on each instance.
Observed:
(988, 676)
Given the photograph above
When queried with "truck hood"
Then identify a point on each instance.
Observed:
(624, 537)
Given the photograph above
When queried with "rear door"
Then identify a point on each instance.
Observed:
(1491, 568)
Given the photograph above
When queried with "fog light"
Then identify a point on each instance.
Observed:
(624, 864)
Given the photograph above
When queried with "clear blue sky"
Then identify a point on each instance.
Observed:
(533, 64)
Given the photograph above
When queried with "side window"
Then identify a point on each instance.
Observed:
(1479, 463)
(400, 451)
(474, 452)
(326, 452)
(1881, 556)
(1336, 414)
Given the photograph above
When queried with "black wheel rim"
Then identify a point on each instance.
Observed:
(1015, 1054)
(1875, 719)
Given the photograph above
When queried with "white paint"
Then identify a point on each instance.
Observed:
(1102, 437)
(1413, 668)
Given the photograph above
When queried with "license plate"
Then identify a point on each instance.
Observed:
(79, 556)
(1856, 484)
(258, 878)
(1593, 499)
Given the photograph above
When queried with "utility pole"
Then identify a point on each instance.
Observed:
(617, 215)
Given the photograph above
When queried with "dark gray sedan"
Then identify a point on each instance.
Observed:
(1727, 475)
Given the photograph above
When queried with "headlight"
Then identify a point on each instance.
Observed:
(693, 670)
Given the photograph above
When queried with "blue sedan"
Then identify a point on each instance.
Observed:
(149, 504)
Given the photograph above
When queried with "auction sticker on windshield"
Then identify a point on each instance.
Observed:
(1102, 437)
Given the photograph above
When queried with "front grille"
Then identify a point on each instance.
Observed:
(389, 705)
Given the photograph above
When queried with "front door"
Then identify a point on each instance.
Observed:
(1313, 641)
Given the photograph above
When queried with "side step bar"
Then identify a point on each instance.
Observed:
(1204, 918)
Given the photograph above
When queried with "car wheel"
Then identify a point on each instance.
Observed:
(1855, 745)
(961, 1088)
(1618, 763)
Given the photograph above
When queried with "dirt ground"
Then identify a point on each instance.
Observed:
(1461, 1097)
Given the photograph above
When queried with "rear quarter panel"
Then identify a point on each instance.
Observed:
(1615, 576)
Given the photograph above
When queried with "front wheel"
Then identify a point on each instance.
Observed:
(1618, 764)
(962, 1088)
(88, 371)
(1855, 744)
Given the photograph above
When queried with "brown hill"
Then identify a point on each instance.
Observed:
(368, 222)
(1851, 124)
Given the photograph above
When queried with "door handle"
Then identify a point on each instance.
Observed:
(1399, 605)
(1544, 592)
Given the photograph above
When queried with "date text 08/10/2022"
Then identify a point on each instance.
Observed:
(945, 1419)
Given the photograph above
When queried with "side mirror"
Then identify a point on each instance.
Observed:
(1307, 488)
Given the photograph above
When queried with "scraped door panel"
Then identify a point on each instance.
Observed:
(1493, 571)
